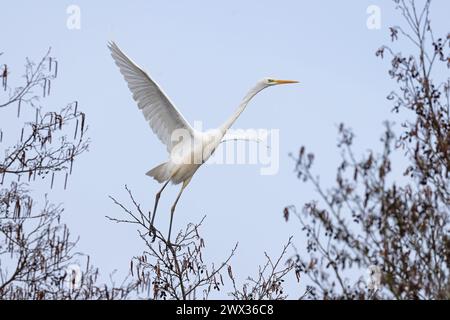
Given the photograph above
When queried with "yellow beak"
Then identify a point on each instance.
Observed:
(285, 81)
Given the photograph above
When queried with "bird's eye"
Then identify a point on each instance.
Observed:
(270, 80)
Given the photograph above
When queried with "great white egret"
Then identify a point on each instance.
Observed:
(194, 148)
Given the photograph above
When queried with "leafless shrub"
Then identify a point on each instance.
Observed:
(177, 270)
(37, 253)
(368, 218)
(268, 285)
(38, 76)
(172, 270)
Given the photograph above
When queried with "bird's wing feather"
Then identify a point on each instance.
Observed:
(244, 136)
(161, 114)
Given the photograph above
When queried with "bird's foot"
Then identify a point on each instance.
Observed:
(152, 230)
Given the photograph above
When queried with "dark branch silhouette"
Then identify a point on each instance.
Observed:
(371, 220)
(176, 269)
(38, 258)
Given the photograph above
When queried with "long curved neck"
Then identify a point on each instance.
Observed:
(227, 124)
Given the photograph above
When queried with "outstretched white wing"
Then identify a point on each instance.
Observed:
(161, 114)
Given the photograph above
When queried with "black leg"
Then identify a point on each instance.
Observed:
(185, 183)
(158, 195)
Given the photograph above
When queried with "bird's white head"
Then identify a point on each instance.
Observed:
(271, 81)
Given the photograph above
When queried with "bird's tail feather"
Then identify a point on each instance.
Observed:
(160, 173)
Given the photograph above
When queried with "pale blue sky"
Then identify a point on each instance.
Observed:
(206, 55)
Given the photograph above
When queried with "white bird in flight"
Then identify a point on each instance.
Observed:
(188, 148)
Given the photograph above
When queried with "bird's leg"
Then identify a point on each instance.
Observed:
(158, 195)
(172, 210)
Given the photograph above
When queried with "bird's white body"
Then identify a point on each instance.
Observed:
(187, 156)
(188, 148)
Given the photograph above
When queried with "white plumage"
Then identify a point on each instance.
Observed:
(188, 148)
(158, 110)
